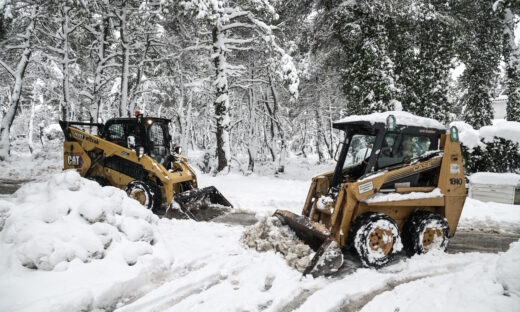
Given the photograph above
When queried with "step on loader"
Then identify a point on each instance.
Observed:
(136, 154)
(398, 182)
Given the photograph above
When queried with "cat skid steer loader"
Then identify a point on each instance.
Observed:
(397, 176)
(136, 154)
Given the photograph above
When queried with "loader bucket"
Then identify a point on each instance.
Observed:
(311, 233)
(329, 257)
(203, 204)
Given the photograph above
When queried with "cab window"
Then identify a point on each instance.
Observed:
(360, 149)
(401, 149)
(116, 132)
(156, 134)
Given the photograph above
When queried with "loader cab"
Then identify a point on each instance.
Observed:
(372, 147)
(148, 133)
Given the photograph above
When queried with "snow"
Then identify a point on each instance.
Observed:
(72, 230)
(510, 179)
(499, 217)
(268, 234)
(382, 197)
(472, 287)
(471, 138)
(118, 256)
(509, 130)
(401, 118)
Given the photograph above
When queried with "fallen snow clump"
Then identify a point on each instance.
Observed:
(269, 234)
(49, 224)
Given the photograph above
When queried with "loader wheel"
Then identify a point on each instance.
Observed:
(425, 231)
(375, 238)
(146, 193)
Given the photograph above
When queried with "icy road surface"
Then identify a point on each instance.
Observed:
(67, 244)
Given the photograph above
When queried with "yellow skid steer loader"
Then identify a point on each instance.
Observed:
(399, 180)
(136, 154)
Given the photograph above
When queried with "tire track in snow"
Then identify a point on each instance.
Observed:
(356, 303)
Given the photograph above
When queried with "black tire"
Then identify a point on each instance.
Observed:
(425, 231)
(100, 180)
(368, 236)
(146, 193)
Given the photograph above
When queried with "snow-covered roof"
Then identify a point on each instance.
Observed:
(471, 138)
(401, 118)
(510, 179)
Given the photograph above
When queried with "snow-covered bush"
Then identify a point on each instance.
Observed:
(52, 223)
(494, 148)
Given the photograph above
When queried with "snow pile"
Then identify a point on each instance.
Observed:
(508, 273)
(490, 215)
(510, 179)
(68, 244)
(401, 118)
(66, 218)
(382, 197)
(471, 138)
(269, 234)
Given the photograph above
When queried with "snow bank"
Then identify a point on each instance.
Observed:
(510, 179)
(70, 218)
(72, 230)
(508, 273)
(490, 215)
(471, 138)
(269, 234)
(401, 118)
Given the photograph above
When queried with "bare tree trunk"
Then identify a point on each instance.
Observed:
(31, 128)
(281, 134)
(102, 35)
(18, 75)
(125, 71)
(319, 134)
(222, 100)
(139, 76)
(65, 105)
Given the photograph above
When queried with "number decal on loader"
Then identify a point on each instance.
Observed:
(454, 181)
(74, 160)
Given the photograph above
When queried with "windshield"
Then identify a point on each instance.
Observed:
(359, 149)
(157, 136)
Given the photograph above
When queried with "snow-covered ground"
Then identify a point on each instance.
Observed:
(66, 244)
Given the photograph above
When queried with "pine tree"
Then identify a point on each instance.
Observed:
(422, 38)
(480, 52)
(368, 79)
(506, 9)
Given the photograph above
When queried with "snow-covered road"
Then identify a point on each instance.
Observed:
(182, 265)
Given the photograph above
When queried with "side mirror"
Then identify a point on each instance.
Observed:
(141, 152)
(177, 150)
(130, 142)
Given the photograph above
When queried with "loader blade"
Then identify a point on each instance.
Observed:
(203, 204)
(327, 260)
(311, 233)
(329, 257)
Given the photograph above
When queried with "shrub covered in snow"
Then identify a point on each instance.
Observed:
(52, 223)
(494, 148)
